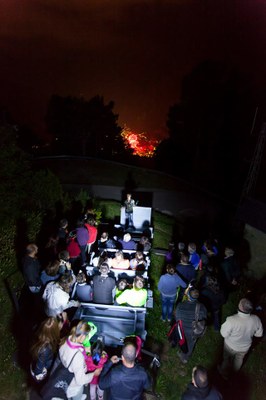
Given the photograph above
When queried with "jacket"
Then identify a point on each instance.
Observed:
(206, 393)
(124, 383)
(239, 329)
(78, 367)
(56, 300)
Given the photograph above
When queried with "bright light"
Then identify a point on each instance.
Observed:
(139, 143)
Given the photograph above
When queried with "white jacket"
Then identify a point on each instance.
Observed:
(56, 300)
(239, 329)
(78, 366)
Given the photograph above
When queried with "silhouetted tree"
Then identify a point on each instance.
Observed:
(84, 127)
(208, 129)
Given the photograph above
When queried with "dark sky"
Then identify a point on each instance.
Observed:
(133, 52)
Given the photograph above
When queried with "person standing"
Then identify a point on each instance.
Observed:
(185, 312)
(199, 388)
(82, 239)
(125, 380)
(72, 355)
(238, 331)
(44, 349)
(168, 286)
(129, 204)
(32, 269)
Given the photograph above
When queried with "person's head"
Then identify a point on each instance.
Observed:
(66, 281)
(184, 258)
(126, 237)
(170, 269)
(47, 333)
(79, 332)
(52, 268)
(200, 377)
(64, 255)
(104, 269)
(63, 223)
(139, 256)
(119, 255)
(193, 294)
(192, 248)
(91, 221)
(228, 252)
(139, 282)
(144, 240)
(81, 277)
(96, 351)
(104, 237)
(245, 306)
(80, 223)
(121, 284)
(181, 246)
(31, 250)
(128, 355)
(128, 196)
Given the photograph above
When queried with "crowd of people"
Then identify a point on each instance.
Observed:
(193, 289)
(195, 285)
(80, 267)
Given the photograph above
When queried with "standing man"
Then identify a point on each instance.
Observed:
(129, 205)
(32, 269)
(126, 380)
(200, 388)
(185, 311)
(238, 331)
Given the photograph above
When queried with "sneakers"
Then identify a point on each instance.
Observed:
(162, 319)
(83, 397)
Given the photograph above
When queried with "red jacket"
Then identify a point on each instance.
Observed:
(92, 233)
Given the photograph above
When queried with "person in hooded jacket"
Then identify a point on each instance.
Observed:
(200, 388)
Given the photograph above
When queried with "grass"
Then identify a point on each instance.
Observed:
(173, 377)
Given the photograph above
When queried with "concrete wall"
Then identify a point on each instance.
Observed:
(257, 248)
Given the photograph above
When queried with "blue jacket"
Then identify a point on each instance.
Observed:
(168, 284)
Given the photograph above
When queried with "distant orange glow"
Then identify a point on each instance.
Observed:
(141, 145)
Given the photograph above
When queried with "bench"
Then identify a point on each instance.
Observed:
(114, 322)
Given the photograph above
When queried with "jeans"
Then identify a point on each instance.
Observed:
(83, 254)
(93, 389)
(129, 220)
(167, 306)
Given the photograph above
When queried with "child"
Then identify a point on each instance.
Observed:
(94, 360)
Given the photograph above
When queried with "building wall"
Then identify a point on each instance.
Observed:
(257, 248)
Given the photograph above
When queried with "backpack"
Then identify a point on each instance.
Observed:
(198, 327)
(176, 336)
(58, 381)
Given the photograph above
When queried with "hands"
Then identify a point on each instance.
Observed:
(97, 371)
(115, 359)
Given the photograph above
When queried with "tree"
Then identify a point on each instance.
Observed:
(84, 127)
(208, 129)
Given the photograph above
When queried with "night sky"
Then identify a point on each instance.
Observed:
(133, 52)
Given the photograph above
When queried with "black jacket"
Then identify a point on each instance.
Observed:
(124, 383)
(207, 393)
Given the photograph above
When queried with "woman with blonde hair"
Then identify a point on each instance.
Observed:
(72, 355)
(44, 348)
(119, 262)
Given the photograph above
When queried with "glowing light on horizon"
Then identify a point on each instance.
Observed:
(139, 143)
